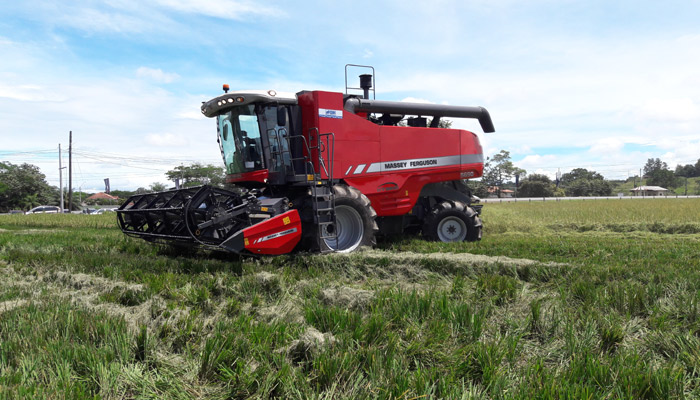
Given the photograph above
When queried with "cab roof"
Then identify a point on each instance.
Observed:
(214, 106)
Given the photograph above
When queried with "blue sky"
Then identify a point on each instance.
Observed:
(603, 85)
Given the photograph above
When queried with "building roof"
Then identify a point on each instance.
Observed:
(101, 195)
(649, 189)
(494, 189)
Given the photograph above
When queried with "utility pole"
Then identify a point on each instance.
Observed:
(60, 176)
(70, 171)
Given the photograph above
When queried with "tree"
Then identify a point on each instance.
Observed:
(122, 194)
(658, 174)
(654, 164)
(197, 174)
(662, 177)
(688, 170)
(582, 182)
(479, 189)
(536, 185)
(23, 187)
(499, 169)
(158, 187)
(443, 123)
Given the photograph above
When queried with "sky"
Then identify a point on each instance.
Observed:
(603, 85)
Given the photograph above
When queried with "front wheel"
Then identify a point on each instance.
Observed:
(452, 222)
(355, 221)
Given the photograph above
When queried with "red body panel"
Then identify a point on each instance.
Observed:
(277, 235)
(254, 176)
(389, 164)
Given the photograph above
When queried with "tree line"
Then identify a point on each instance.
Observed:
(500, 173)
(24, 186)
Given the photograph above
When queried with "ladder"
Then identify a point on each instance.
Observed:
(322, 150)
(323, 197)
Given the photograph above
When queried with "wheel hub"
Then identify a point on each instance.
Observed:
(452, 229)
(349, 230)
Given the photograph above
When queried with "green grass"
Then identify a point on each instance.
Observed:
(576, 299)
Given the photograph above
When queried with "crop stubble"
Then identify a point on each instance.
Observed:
(569, 299)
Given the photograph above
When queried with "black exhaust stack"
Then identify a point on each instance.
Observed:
(366, 84)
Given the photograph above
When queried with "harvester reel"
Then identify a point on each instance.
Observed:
(212, 215)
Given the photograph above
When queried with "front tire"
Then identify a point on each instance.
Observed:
(452, 221)
(355, 221)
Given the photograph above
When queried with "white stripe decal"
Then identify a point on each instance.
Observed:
(359, 169)
(348, 171)
(417, 163)
(276, 235)
(374, 167)
(472, 158)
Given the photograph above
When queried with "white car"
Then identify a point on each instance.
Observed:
(102, 211)
(45, 210)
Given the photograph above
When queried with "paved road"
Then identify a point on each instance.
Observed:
(531, 199)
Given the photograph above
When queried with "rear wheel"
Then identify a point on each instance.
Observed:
(355, 221)
(452, 221)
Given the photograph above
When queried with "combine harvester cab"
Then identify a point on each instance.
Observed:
(322, 171)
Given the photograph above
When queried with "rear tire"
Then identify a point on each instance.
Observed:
(452, 221)
(355, 221)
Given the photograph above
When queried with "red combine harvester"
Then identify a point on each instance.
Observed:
(322, 171)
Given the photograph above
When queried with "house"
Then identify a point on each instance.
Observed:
(649, 191)
(493, 192)
(102, 196)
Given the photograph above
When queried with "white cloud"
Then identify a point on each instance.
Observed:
(92, 20)
(607, 146)
(226, 9)
(682, 152)
(157, 75)
(415, 100)
(166, 140)
(669, 110)
(188, 114)
(29, 92)
(535, 160)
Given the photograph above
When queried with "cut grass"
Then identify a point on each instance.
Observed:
(595, 300)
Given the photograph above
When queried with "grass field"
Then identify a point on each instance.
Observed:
(567, 299)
